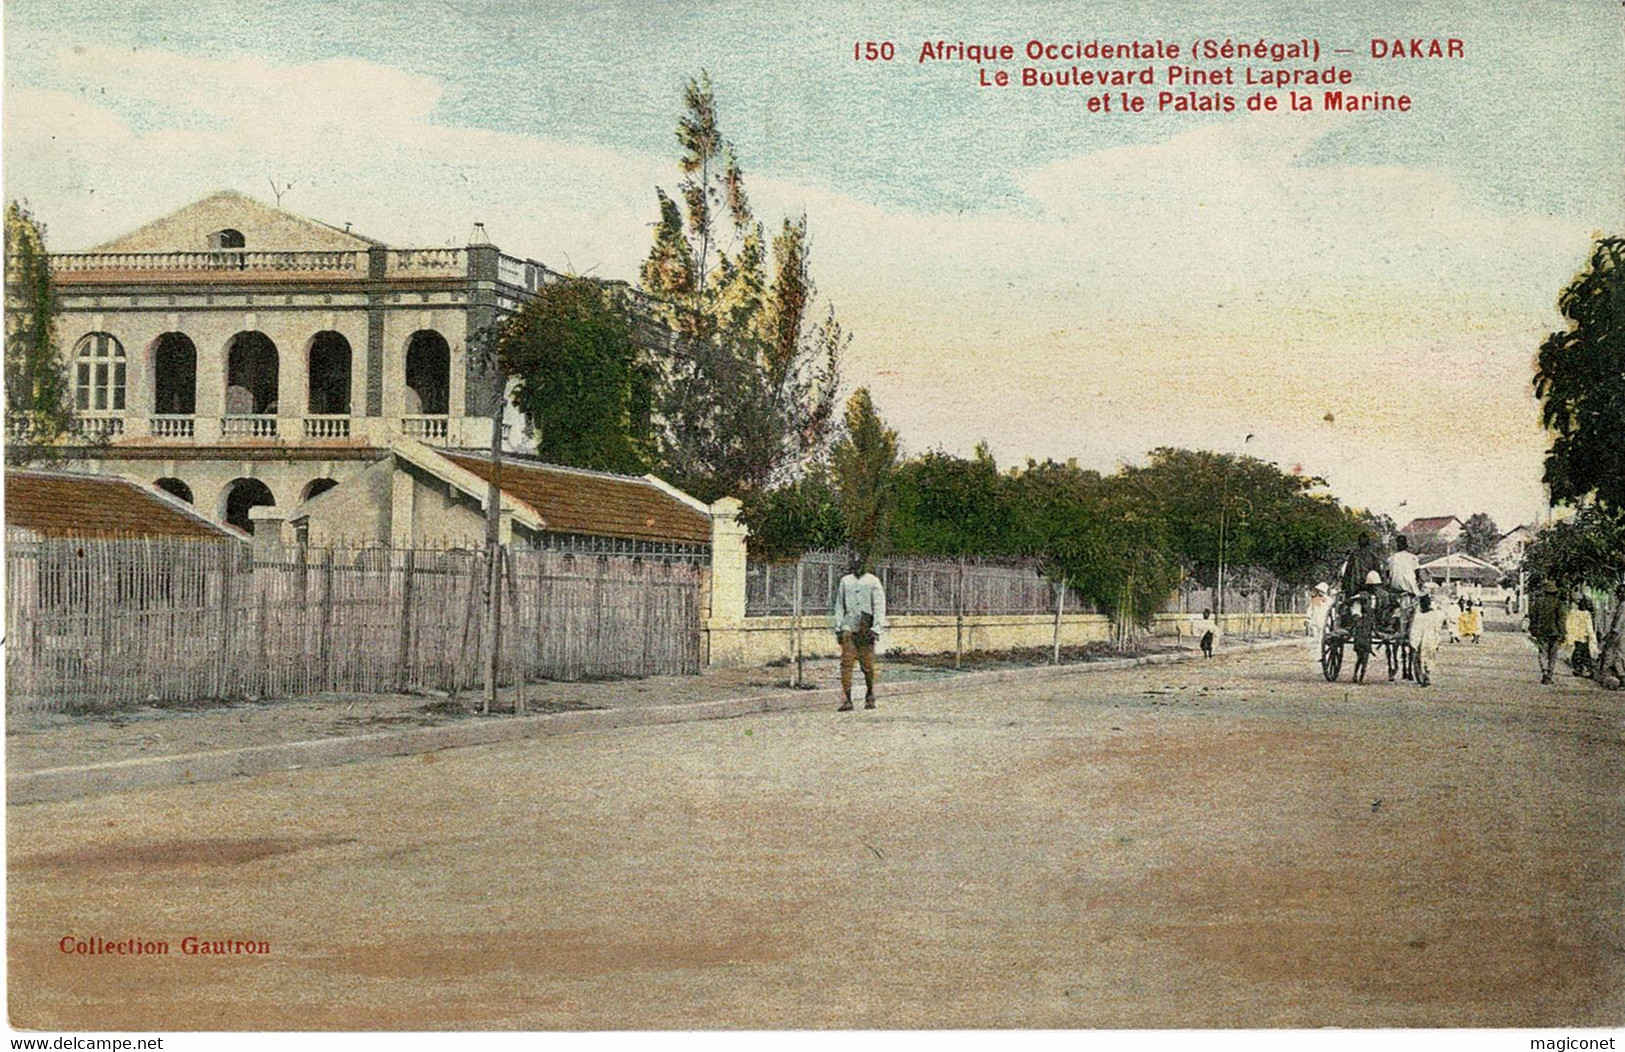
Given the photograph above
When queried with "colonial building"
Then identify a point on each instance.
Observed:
(240, 356)
(418, 497)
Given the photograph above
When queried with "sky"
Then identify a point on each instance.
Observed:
(1362, 294)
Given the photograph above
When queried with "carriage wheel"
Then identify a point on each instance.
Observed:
(1331, 659)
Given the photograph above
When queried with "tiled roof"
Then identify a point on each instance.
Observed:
(570, 500)
(54, 504)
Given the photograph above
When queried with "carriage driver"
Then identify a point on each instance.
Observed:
(1404, 571)
(1361, 561)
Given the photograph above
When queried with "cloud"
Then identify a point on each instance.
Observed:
(1211, 284)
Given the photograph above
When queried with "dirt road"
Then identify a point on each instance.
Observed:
(1234, 843)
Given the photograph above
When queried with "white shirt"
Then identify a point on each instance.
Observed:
(1425, 631)
(856, 596)
(1320, 607)
(1402, 567)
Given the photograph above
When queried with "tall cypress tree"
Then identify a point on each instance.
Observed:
(748, 388)
(865, 459)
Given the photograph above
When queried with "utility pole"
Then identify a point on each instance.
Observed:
(1224, 508)
(493, 541)
(1224, 503)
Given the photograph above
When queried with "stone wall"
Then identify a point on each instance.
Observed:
(734, 640)
(759, 640)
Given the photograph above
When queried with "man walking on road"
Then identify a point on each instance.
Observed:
(1314, 622)
(1425, 630)
(1205, 629)
(1546, 623)
(859, 618)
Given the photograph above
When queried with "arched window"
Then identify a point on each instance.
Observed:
(329, 373)
(175, 487)
(251, 374)
(99, 372)
(243, 494)
(227, 238)
(174, 375)
(428, 373)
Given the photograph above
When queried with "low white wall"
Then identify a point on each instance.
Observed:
(758, 640)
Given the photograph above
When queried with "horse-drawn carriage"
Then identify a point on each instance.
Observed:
(1372, 618)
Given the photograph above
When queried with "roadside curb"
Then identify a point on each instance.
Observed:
(65, 783)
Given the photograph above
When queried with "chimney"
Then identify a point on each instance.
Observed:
(268, 522)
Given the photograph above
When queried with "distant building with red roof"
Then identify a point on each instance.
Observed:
(1435, 535)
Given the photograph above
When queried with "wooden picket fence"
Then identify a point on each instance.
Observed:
(96, 625)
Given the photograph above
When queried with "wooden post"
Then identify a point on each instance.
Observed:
(1060, 608)
(519, 668)
(457, 661)
(653, 594)
(959, 613)
(263, 621)
(403, 651)
(797, 628)
(324, 638)
(493, 544)
(544, 609)
(597, 648)
(223, 661)
(1128, 619)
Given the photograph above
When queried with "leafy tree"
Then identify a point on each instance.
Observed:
(1272, 520)
(947, 505)
(1480, 536)
(1118, 552)
(1382, 528)
(796, 517)
(865, 459)
(1044, 502)
(38, 408)
(582, 384)
(749, 383)
(1580, 381)
(1587, 551)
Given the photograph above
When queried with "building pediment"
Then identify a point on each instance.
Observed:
(210, 224)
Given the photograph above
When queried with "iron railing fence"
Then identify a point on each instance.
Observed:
(913, 586)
